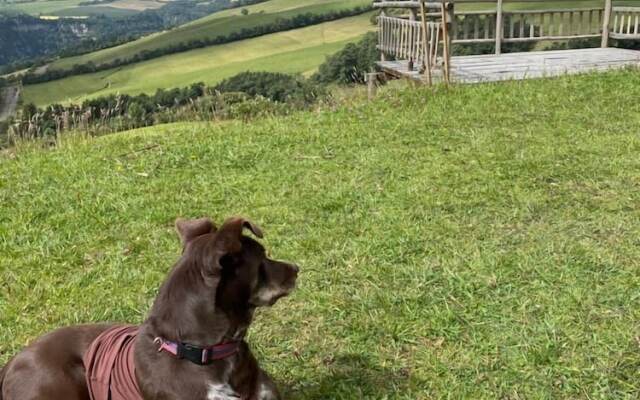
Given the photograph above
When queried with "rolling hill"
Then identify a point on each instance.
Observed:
(295, 51)
(72, 8)
(221, 23)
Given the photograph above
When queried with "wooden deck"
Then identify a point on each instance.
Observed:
(531, 65)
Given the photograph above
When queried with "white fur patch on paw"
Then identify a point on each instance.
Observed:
(220, 391)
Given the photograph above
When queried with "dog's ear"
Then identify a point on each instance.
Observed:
(189, 229)
(229, 235)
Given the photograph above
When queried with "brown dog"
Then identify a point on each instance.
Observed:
(190, 347)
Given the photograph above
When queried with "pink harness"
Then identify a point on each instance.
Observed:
(110, 367)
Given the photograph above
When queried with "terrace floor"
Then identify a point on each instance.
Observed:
(530, 65)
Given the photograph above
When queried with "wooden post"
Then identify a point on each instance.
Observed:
(451, 16)
(605, 23)
(425, 44)
(383, 57)
(372, 84)
(445, 42)
(499, 27)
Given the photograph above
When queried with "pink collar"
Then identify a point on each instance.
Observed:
(195, 354)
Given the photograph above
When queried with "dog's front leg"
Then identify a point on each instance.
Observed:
(267, 390)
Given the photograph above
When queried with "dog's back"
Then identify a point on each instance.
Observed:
(52, 365)
(2, 372)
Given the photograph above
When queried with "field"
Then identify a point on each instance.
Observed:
(218, 24)
(70, 8)
(296, 51)
(480, 242)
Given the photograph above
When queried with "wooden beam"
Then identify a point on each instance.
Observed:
(499, 27)
(445, 43)
(425, 43)
(405, 4)
(605, 23)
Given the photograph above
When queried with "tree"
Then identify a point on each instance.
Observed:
(351, 63)
(244, 11)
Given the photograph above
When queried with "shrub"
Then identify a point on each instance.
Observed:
(351, 63)
(278, 87)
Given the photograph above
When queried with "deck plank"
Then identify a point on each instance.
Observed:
(518, 66)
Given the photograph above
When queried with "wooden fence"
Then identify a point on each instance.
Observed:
(402, 36)
(404, 39)
(625, 23)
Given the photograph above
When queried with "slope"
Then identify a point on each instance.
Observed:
(296, 51)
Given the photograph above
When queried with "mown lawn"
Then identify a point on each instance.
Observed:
(296, 51)
(477, 243)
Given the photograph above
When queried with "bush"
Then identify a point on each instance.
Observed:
(278, 87)
(351, 63)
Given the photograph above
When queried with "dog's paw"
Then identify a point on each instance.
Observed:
(221, 391)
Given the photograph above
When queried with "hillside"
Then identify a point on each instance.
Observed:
(221, 23)
(480, 242)
(73, 8)
(295, 51)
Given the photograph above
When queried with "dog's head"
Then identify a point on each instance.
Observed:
(235, 265)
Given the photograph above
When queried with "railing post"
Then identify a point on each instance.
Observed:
(499, 27)
(383, 57)
(425, 43)
(605, 23)
(446, 42)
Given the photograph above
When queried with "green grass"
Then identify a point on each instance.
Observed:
(93, 10)
(218, 24)
(296, 51)
(478, 243)
(70, 8)
(40, 7)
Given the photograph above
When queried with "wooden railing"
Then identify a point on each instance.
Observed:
(523, 26)
(403, 39)
(626, 22)
(401, 36)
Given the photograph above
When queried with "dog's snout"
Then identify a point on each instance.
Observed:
(295, 268)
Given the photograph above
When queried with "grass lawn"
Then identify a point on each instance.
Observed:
(218, 24)
(295, 51)
(480, 243)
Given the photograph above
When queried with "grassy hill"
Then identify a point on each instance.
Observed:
(480, 242)
(295, 51)
(218, 24)
(71, 8)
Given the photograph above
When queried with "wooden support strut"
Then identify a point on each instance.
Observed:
(499, 26)
(605, 23)
(445, 43)
(425, 44)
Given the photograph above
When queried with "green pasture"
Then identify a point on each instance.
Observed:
(480, 242)
(218, 24)
(297, 51)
